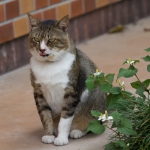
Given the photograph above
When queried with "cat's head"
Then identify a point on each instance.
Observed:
(48, 40)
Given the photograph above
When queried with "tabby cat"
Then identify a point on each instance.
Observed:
(58, 74)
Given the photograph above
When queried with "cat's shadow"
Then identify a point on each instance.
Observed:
(36, 133)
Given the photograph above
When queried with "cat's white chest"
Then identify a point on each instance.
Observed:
(53, 78)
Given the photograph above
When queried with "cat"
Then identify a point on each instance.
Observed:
(58, 74)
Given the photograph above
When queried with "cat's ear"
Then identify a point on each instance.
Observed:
(33, 22)
(63, 23)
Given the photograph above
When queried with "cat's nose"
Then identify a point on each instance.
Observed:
(42, 50)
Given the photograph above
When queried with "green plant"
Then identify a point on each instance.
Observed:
(131, 111)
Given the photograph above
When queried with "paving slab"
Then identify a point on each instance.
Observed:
(20, 126)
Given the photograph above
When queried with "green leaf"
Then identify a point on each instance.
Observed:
(115, 90)
(110, 146)
(106, 88)
(116, 115)
(127, 131)
(136, 84)
(109, 97)
(126, 93)
(139, 100)
(116, 123)
(136, 61)
(148, 49)
(95, 113)
(120, 143)
(124, 62)
(112, 100)
(114, 106)
(146, 58)
(90, 83)
(125, 104)
(146, 83)
(140, 91)
(102, 80)
(121, 104)
(148, 68)
(95, 127)
(110, 78)
(126, 127)
(102, 74)
(126, 123)
(131, 71)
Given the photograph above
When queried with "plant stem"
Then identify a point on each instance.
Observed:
(141, 82)
(107, 81)
(113, 131)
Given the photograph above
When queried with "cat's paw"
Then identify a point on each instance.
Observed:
(75, 134)
(60, 141)
(48, 139)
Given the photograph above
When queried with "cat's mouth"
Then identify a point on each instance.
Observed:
(44, 55)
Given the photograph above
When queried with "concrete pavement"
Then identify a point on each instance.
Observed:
(20, 126)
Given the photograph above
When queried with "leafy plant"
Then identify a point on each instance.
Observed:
(131, 111)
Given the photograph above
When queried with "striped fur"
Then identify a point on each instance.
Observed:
(58, 77)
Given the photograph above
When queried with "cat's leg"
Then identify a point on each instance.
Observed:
(55, 125)
(46, 118)
(79, 126)
(63, 131)
(69, 105)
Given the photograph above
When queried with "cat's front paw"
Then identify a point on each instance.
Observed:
(60, 141)
(48, 139)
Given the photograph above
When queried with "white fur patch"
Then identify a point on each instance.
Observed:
(61, 141)
(53, 78)
(75, 134)
(43, 45)
(84, 95)
(63, 131)
(48, 139)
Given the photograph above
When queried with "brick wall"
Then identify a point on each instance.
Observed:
(14, 22)
(89, 18)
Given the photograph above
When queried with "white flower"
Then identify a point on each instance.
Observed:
(121, 84)
(104, 117)
(129, 61)
(97, 73)
(128, 144)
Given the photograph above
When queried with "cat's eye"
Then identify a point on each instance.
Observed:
(36, 39)
(51, 40)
